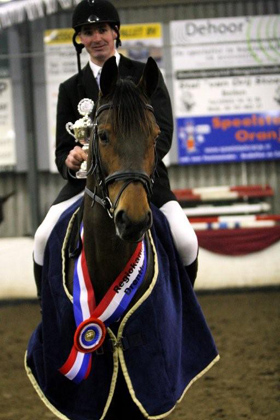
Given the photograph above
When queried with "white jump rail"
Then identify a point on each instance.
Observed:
(243, 208)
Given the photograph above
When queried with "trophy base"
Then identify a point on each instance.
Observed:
(81, 174)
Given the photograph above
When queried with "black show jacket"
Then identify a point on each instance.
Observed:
(76, 88)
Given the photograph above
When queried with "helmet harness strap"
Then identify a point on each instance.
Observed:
(78, 48)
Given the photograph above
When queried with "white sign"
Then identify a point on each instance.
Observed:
(142, 40)
(226, 69)
(7, 133)
(60, 64)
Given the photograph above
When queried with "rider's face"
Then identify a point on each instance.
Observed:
(98, 39)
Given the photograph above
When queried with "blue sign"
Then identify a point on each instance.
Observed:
(228, 138)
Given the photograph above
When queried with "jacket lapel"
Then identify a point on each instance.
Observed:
(89, 86)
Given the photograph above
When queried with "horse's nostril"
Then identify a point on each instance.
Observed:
(121, 218)
(129, 229)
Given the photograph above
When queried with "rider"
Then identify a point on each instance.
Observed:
(97, 25)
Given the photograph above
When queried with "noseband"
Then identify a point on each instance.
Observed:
(104, 181)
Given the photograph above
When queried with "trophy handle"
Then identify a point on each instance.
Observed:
(69, 128)
(83, 171)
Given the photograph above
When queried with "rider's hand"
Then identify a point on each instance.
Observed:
(75, 158)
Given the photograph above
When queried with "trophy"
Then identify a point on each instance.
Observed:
(81, 131)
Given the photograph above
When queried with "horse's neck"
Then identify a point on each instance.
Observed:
(106, 254)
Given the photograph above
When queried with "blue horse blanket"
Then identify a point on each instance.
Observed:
(175, 349)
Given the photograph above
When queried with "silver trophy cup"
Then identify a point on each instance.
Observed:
(81, 131)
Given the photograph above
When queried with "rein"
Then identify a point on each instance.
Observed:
(127, 176)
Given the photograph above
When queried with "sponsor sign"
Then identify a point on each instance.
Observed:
(60, 64)
(7, 132)
(140, 41)
(226, 84)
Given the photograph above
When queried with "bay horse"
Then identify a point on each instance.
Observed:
(122, 161)
(122, 335)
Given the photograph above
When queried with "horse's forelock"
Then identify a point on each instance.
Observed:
(129, 109)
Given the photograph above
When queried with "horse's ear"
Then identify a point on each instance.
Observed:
(149, 80)
(109, 76)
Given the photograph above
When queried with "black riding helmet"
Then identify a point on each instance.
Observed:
(95, 11)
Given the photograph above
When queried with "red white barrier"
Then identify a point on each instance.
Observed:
(236, 218)
(234, 225)
(223, 193)
(244, 210)
(234, 222)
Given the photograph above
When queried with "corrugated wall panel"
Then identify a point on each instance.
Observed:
(50, 185)
(16, 210)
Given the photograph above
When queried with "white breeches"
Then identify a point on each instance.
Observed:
(44, 230)
(183, 234)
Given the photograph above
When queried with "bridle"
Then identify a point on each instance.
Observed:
(103, 181)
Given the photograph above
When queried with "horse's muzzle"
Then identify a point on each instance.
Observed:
(129, 230)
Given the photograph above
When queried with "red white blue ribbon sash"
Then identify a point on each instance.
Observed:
(91, 320)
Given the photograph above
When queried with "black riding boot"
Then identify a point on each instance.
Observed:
(37, 270)
(192, 271)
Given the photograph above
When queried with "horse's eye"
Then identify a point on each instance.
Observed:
(156, 137)
(103, 136)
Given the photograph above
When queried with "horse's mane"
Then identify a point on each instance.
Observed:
(129, 109)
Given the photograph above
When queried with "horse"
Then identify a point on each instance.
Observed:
(122, 160)
(122, 334)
